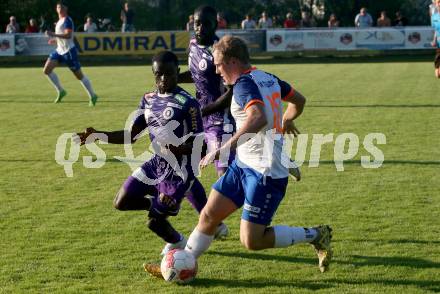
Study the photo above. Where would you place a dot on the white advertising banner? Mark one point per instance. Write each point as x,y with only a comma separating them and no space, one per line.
417,38
7,45
32,44
349,39
380,39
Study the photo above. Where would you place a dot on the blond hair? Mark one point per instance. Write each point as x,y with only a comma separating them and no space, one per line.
232,47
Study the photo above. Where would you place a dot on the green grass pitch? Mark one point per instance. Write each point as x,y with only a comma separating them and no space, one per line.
62,235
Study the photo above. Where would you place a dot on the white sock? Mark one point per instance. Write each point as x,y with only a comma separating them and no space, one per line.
87,86
198,243
53,79
286,236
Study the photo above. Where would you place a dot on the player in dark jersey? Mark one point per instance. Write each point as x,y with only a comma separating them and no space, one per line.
213,96
160,184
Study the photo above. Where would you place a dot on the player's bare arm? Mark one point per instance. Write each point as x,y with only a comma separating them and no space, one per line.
255,121
66,35
222,102
294,109
183,149
113,137
185,77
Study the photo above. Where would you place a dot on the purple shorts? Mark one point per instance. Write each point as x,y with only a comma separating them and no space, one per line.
214,137
154,177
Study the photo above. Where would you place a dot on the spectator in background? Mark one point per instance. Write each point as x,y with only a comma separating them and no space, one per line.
190,23
383,20
264,22
248,23
290,22
127,18
90,26
363,19
400,20
105,25
306,21
333,21
276,23
222,24
31,27
43,24
12,26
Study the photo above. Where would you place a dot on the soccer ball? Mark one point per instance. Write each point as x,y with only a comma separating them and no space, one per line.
178,266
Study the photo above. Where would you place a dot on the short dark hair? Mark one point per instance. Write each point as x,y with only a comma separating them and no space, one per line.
230,46
205,9
62,3
166,57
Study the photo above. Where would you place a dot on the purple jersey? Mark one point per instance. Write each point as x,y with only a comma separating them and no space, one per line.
169,119
161,109
209,85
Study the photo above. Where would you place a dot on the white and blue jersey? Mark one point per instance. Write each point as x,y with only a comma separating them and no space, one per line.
64,25
257,179
435,20
65,51
263,152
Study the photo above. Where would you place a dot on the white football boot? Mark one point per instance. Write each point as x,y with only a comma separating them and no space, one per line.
178,245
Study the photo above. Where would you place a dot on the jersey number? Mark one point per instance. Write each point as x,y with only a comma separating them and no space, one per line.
275,104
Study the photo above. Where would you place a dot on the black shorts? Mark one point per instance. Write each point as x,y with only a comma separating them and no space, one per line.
437,59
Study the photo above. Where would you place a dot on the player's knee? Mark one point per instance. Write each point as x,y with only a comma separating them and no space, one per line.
47,71
118,202
437,73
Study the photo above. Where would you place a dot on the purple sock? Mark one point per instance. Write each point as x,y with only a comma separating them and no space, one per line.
197,196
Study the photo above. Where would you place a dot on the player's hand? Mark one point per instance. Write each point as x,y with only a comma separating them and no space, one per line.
434,44
167,201
84,135
290,128
51,42
49,33
209,158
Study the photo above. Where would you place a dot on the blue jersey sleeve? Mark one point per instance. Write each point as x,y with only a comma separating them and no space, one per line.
246,92
68,24
286,89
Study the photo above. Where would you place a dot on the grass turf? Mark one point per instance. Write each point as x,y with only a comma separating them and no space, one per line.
62,234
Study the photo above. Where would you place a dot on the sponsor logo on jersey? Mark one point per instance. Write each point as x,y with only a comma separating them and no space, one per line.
193,113
251,208
266,84
203,64
180,98
174,105
168,113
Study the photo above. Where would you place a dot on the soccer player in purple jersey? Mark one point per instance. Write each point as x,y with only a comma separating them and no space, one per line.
67,53
213,96
158,186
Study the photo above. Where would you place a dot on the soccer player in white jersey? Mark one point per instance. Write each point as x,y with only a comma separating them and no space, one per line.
65,52
257,179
